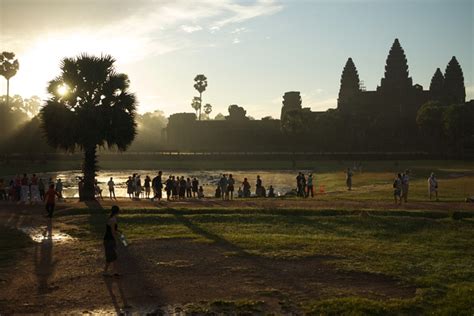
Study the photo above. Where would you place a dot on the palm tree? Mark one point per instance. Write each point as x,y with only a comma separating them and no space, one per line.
200,86
208,109
196,104
90,106
8,68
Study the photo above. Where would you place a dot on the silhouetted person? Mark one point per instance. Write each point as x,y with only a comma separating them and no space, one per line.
188,188
42,189
405,185
299,183
433,186
169,184
147,186
397,189
349,179
111,185
309,187
195,186
157,186
200,192
258,187
271,192
246,188
218,193
110,242
129,183
230,187
50,200
223,183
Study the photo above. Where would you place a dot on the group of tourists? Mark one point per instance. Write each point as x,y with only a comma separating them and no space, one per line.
175,187
401,186
25,189
304,186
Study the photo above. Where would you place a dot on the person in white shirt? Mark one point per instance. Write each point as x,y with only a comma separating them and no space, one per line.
433,186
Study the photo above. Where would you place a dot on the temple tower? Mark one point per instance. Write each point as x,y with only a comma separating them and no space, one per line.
437,86
350,86
291,101
396,81
454,89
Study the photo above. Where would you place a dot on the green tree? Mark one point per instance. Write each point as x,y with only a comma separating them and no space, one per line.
200,86
9,66
458,125
97,110
430,122
208,109
196,104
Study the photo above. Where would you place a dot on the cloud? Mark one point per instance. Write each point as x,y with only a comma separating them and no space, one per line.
470,92
236,41
191,28
238,30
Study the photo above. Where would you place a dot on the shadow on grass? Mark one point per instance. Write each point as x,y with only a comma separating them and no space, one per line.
134,282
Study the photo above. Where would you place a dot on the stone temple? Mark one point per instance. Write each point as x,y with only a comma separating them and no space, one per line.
392,108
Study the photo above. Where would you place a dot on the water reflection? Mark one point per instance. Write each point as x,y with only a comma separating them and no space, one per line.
43,234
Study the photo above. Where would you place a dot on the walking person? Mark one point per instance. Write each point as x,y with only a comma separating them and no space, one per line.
157,186
433,186
110,243
405,185
230,187
299,189
111,185
349,179
50,200
397,189
129,184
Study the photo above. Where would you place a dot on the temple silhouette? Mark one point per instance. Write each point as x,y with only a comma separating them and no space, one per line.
379,120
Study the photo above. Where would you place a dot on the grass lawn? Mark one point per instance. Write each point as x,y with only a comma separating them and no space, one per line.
435,255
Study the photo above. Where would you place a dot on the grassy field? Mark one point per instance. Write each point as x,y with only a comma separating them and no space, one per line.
432,253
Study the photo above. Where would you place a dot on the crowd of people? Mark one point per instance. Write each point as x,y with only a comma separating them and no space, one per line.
28,189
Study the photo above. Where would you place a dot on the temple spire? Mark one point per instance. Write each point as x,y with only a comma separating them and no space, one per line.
396,71
455,91
350,85
437,85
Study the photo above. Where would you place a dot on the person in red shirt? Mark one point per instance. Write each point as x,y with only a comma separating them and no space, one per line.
50,199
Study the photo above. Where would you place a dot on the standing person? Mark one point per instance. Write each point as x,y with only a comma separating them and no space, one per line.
35,195
138,187
223,187
182,188
309,187
405,185
258,187
397,189
188,188
147,187
246,188
41,189
299,189
110,242
349,179
97,189
59,189
433,186
271,192
129,184
18,188
303,186
157,185
50,198
80,186
169,187
230,187
175,188
3,193
24,189
111,185
195,185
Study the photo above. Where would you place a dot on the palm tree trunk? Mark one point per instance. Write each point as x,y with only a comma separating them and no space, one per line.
8,92
200,104
89,168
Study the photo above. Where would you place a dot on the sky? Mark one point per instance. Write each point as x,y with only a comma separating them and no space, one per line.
252,52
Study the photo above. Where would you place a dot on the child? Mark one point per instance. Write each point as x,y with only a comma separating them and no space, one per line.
50,200
200,192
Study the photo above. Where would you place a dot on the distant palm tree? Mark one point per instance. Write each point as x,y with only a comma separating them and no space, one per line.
208,109
9,66
200,86
90,106
196,104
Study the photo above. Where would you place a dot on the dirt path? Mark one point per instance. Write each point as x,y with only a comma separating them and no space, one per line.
58,276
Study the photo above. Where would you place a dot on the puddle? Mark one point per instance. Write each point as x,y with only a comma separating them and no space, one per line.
43,234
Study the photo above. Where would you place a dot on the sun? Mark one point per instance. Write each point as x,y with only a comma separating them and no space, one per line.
62,89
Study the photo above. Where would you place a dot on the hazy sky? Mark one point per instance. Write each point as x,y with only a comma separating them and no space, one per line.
251,51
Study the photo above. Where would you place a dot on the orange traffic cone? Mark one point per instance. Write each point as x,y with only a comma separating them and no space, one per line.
321,189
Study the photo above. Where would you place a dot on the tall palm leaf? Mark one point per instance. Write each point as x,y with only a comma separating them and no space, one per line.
200,86
9,66
97,110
